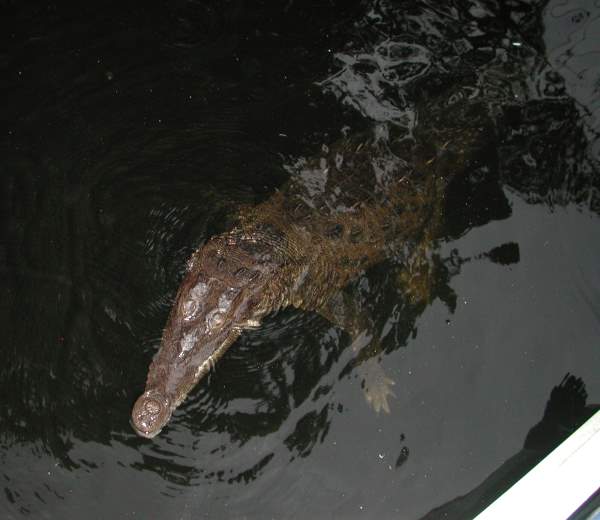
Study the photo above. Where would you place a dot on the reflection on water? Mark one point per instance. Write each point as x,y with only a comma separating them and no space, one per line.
132,137
569,36
565,411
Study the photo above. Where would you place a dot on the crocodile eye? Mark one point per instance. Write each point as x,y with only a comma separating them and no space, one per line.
215,318
190,308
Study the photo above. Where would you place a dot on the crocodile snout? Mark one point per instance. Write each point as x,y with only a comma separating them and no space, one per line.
150,413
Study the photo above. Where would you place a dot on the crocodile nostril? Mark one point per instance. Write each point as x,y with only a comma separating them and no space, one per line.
152,407
150,413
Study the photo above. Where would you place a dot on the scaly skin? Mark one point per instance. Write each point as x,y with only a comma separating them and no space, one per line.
346,211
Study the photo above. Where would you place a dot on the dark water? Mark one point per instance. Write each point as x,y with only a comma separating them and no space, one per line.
132,134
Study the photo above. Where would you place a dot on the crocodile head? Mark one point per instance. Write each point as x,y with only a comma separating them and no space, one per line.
230,285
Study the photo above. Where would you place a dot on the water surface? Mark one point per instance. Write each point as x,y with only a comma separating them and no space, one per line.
132,134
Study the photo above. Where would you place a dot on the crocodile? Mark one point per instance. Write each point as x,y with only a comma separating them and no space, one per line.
364,199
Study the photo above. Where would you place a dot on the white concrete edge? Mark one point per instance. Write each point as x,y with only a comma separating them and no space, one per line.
559,484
